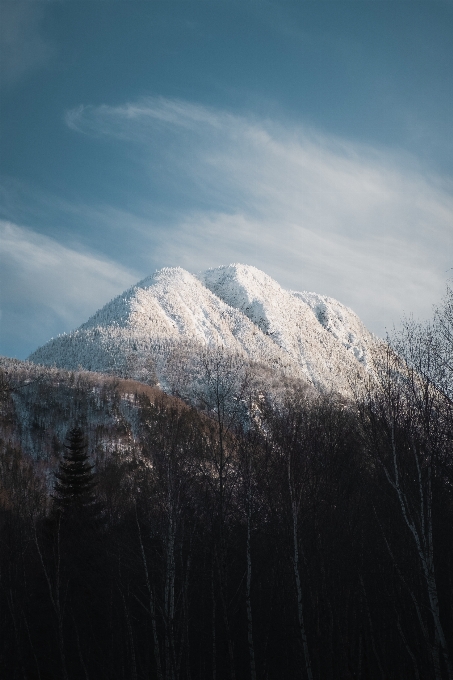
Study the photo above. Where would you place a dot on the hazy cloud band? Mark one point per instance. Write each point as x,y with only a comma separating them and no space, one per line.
363,224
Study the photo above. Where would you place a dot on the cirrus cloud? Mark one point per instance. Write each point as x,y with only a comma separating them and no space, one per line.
367,225
47,288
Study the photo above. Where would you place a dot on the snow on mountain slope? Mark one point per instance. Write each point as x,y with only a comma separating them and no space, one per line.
319,333
342,323
171,309
237,309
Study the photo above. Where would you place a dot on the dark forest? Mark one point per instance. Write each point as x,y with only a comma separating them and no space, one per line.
306,537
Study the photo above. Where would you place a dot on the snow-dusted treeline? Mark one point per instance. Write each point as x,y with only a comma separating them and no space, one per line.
39,404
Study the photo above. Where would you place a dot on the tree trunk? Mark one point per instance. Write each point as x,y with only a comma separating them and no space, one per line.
248,590
295,559
152,609
54,594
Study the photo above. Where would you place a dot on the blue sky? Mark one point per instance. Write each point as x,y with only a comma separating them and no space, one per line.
310,139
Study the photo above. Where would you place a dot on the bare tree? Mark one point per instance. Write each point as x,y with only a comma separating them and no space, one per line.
406,429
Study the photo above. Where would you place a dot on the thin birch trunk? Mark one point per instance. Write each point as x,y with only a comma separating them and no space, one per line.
131,638
185,633
248,586
214,645
32,646
170,577
54,594
411,593
222,561
303,633
424,544
10,601
408,649
152,609
226,620
79,649
169,600
370,623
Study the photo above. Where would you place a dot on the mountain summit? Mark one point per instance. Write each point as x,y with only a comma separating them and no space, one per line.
237,310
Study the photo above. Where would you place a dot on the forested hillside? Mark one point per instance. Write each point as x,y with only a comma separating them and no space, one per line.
40,404
249,535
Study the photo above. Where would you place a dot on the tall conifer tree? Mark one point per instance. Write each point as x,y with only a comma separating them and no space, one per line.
75,479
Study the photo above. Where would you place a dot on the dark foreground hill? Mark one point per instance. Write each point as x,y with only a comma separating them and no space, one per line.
298,538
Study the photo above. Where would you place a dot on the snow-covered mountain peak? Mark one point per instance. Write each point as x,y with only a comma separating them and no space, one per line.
237,309
245,288
167,303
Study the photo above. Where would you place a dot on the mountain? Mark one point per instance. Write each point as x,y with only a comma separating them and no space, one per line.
161,325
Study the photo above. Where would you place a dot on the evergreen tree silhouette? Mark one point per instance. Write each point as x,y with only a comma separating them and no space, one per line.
75,479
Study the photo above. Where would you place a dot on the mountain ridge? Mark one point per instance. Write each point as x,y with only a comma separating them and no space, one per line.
235,309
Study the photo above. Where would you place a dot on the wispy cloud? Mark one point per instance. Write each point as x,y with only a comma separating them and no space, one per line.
47,287
366,225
